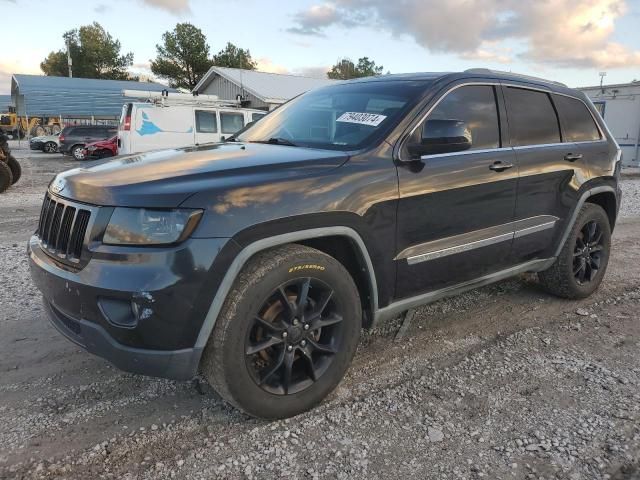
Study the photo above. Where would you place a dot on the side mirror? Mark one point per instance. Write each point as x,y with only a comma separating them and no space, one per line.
441,136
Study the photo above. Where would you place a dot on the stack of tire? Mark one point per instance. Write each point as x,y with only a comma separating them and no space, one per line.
10,170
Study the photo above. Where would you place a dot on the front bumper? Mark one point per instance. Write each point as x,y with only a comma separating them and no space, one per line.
140,309
173,364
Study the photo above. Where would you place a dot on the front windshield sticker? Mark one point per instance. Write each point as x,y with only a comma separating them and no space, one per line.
371,119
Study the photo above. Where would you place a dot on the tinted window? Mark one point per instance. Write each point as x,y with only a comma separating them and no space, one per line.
476,106
532,118
577,122
231,122
257,116
206,122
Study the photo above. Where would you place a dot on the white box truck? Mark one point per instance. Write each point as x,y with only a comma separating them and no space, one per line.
178,120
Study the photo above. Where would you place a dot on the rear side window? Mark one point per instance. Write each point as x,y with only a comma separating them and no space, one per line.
476,106
206,122
577,123
532,118
231,122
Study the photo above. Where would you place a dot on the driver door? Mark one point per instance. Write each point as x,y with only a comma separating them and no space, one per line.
456,209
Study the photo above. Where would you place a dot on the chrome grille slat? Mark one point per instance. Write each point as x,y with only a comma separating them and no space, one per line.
62,228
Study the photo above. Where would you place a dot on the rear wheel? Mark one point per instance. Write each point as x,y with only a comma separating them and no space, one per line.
77,152
16,169
50,147
583,261
6,177
286,333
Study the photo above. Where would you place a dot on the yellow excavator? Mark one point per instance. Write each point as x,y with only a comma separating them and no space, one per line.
18,127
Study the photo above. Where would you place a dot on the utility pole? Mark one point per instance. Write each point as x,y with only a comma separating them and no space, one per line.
69,61
602,75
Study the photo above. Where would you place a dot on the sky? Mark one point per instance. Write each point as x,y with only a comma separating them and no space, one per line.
571,41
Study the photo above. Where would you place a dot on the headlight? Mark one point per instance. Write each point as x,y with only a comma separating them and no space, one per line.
141,226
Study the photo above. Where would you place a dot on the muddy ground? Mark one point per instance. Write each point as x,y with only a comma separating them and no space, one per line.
502,382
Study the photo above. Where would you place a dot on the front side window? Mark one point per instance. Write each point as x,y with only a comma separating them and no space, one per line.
231,122
206,122
257,116
577,122
474,107
532,118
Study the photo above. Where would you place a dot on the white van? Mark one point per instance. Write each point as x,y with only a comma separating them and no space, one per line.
149,126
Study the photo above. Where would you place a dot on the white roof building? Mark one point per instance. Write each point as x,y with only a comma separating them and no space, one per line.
619,106
257,89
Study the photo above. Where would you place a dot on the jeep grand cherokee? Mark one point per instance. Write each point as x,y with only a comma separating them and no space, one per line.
258,261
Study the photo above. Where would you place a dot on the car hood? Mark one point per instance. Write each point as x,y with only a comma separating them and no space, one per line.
166,178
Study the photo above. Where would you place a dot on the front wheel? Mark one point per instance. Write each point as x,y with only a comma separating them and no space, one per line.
50,147
286,334
583,261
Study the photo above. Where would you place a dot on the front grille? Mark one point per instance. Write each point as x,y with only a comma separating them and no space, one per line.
62,228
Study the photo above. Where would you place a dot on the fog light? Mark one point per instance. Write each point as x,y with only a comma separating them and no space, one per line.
120,313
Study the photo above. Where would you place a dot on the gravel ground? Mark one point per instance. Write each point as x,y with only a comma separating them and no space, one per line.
501,382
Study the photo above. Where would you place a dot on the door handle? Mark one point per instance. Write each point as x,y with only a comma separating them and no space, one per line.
572,157
499,166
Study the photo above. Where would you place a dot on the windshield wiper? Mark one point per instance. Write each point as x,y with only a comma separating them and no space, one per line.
278,141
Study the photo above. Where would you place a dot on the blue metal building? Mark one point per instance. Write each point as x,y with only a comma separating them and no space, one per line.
38,95
5,101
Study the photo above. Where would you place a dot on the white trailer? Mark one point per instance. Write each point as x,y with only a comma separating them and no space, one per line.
619,106
172,120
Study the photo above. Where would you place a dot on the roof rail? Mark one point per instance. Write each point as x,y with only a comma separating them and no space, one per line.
166,98
488,71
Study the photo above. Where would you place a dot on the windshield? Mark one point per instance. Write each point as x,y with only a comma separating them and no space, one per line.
340,117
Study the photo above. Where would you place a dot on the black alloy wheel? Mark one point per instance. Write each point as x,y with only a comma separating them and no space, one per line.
587,254
293,339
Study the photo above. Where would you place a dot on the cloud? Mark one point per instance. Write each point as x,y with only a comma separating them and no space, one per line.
313,72
316,18
562,33
10,66
267,65
172,6
101,8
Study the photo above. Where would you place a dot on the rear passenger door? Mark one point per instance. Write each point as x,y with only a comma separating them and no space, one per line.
550,172
455,209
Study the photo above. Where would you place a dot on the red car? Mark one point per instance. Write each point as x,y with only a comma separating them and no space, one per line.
101,149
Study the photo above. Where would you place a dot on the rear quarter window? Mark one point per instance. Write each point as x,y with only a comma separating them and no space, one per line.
532,117
577,122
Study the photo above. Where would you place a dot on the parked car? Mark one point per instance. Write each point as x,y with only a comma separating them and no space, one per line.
101,149
73,139
144,126
257,262
47,143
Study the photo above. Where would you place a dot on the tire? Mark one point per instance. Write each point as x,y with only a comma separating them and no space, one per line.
76,152
38,131
50,147
228,366
6,177
577,259
16,169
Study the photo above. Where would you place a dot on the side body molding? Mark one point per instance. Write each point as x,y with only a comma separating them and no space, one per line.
263,244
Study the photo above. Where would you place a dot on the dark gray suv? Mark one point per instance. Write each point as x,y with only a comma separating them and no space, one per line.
258,261
73,139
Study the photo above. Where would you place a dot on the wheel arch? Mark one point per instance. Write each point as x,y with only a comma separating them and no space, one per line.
595,194
319,238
